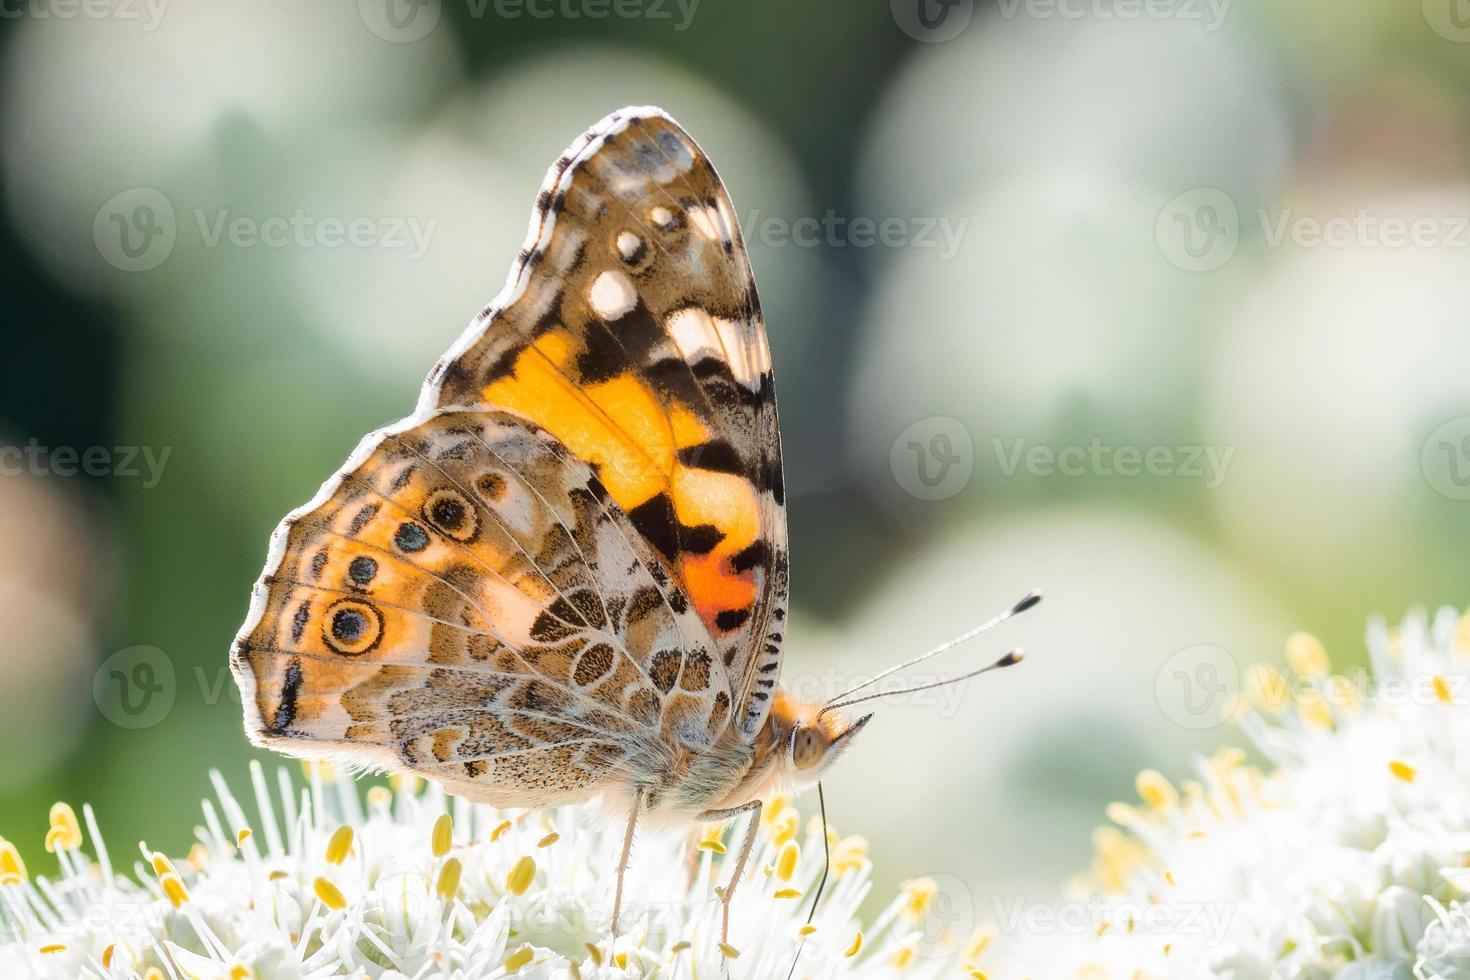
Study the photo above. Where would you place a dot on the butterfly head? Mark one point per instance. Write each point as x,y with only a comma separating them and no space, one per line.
815,739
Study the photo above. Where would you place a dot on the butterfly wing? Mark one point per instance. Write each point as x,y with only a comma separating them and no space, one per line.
466,600
630,330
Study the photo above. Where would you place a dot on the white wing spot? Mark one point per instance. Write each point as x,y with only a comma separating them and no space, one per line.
694,334
628,245
709,223
661,216
612,295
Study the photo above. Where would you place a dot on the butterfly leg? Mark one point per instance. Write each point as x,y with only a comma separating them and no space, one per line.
623,861
754,809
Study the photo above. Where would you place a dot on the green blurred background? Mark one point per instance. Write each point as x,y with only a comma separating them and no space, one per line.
1099,244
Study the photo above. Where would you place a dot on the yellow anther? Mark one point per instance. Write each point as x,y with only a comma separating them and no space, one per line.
12,868
595,953
173,889
1314,712
917,895
240,972
850,854
549,839
330,894
405,782
1267,688
978,942
1156,791
448,885
53,948
241,836
379,797
107,955
681,945
774,807
731,953
277,876
712,838
519,958
979,975
854,947
1403,770
785,826
319,767
1306,655
787,893
1169,877
65,833
786,860
500,829
154,973
443,837
162,865
521,875
903,958
1442,692
339,844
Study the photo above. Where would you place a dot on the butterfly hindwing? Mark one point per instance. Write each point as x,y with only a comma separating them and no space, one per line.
630,330
465,599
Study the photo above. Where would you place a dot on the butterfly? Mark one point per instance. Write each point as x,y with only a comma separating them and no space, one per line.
564,576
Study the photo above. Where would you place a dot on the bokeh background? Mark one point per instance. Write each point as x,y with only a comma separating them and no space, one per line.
1160,306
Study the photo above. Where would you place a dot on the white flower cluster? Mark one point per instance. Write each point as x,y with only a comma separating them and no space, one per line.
1350,861
314,884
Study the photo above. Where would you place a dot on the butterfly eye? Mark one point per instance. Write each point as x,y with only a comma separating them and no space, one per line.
808,747
352,627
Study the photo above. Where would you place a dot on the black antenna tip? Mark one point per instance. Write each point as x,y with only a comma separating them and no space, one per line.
1030,599
1014,657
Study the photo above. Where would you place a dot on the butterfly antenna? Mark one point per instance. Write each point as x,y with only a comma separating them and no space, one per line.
822,884
1026,602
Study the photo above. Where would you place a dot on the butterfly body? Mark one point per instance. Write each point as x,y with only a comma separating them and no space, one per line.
564,577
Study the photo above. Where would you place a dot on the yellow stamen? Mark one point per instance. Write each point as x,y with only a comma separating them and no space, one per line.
731,953
1156,791
173,889
339,845
854,947
917,895
107,955
443,836
979,942
850,854
319,767
785,826
154,973
330,894
595,953
242,836
1403,770
519,958
786,860
53,948
1442,691
1315,712
162,865
405,782
521,875
449,879
549,839
713,838
12,868
903,958
500,829
787,893
805,931
240,972
682,945
65,833
1306,655
379,797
